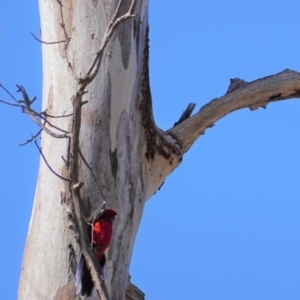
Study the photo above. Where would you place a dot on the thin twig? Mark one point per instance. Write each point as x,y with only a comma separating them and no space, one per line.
114,17
92,72
71,256
47,43
132,7
32,112
32,138
65,161
26,100
90,169
67,40
36,121
62,24
41,152
62,130
55,117
7,91
8,103
97,214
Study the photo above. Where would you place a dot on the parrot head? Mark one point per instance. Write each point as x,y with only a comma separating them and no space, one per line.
109,215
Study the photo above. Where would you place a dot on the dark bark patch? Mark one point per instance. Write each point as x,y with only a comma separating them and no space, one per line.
131,214
136,33
114,162
275,97
156,142
124,35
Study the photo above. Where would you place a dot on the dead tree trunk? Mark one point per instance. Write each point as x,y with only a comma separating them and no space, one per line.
105,145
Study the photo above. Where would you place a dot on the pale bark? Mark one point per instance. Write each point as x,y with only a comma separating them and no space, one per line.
240,94
116,153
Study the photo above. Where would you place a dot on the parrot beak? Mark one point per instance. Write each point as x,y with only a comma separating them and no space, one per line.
113,218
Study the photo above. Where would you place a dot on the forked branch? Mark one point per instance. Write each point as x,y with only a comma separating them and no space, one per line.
115,22
25,105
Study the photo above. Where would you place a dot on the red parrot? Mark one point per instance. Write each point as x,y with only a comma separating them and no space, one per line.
100,235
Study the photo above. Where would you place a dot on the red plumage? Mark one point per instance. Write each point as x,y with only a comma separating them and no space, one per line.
102,231
100,235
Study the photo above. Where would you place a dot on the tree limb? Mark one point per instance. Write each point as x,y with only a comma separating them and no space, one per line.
258,93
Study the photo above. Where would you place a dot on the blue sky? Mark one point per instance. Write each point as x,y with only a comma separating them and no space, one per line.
225,225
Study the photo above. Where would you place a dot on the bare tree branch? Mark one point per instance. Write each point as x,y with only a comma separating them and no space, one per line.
8,103
115,15
53,126
32,138
47,43
32,113
8,92
67,40
36,121
55,117
26,100
93,70
46,162
187,113
255,94
93,175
